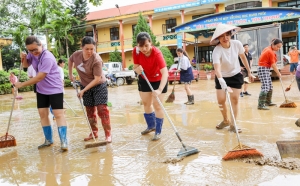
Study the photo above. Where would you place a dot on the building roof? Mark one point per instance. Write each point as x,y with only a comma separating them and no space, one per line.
135,8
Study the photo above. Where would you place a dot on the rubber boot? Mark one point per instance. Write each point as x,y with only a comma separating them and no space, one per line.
262,101
92,117
48,137
188,99
269,98
191,100
151,123
103,113
159,123
298,122
62,131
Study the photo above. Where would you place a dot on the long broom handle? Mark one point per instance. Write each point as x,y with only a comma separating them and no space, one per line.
163,108
233,118
292,81
71,108
13,103
87,120
283,90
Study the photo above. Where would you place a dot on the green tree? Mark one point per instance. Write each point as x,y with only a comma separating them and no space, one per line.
142,26
167,55
115,56
79,10
96,2
10,55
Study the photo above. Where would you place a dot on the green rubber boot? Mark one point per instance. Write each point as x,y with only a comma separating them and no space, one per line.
262,101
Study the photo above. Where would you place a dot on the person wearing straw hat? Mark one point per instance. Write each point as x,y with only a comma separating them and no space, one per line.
267,60
149,59
228,71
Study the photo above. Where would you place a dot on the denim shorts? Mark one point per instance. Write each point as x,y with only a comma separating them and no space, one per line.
293,67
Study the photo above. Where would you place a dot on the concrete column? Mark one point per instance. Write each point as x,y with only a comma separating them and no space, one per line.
182,21
217,8
150,21
122,43
266,3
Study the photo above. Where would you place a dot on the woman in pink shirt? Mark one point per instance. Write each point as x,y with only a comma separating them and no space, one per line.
13,79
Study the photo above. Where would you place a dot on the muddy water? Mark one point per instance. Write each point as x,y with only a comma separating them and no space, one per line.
133,159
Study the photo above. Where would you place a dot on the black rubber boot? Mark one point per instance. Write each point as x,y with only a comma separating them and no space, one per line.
262,101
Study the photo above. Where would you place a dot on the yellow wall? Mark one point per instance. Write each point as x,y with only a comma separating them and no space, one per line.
127,31
274,4
265,3
221,8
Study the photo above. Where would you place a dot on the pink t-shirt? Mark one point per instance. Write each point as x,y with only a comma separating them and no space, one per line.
52,83
13,79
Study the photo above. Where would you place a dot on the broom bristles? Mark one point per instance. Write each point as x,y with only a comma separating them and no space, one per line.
288,105
7,141
237,154
171,97
95,144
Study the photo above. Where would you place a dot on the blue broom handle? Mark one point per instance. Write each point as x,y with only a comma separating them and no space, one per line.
159,102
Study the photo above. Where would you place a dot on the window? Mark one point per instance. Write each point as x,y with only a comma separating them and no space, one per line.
290,4
114,33
287,43
244,5
197,16
206,53
90,33
168,27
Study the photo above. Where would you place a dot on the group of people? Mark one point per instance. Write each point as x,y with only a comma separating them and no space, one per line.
49,87
231,61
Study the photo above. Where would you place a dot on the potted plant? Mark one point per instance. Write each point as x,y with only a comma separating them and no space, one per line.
208,68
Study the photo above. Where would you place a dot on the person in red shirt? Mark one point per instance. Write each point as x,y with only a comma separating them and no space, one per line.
149,59
267,60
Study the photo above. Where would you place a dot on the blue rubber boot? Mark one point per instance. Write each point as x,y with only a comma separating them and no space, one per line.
48,137
159,123
62,131
150,120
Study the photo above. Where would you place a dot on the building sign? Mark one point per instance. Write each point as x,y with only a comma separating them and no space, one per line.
244,17
178,6
203,2
179,40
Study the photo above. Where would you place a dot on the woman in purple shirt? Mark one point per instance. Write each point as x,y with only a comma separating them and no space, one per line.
49,89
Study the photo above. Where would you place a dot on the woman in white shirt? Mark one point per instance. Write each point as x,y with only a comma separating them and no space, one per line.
186,73
228,70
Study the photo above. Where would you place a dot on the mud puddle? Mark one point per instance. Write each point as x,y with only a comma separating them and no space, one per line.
288,163
172,160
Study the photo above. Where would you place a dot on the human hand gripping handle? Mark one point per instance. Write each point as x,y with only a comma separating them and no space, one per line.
222,83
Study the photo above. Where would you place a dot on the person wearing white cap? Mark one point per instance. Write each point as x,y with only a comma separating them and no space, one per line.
228,70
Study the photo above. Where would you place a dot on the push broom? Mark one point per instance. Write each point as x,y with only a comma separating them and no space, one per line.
286,103
9,140
185,150
95,143
240,151
171,97
289,87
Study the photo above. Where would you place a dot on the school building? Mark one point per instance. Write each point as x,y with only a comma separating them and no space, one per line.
188,24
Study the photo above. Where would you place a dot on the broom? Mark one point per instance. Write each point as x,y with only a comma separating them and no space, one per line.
240,151
289,87
9,140
95,143
286,103
171,97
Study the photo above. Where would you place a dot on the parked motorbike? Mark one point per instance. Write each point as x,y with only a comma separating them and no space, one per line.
111,80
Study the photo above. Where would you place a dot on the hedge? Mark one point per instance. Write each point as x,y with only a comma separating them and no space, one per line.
5,86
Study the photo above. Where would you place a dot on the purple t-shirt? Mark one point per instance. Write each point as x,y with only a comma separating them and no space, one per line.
298,71
52,83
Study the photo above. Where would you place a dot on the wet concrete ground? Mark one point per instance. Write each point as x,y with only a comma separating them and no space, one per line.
133,159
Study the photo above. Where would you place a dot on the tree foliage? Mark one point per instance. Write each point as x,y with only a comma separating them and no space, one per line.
115,56
142,26
167,55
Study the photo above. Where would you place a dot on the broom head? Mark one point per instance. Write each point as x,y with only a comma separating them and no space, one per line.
7,141
288,88
288,104
95,144
171,97
242,151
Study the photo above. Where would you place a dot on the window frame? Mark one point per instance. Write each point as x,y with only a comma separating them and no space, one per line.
112,33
